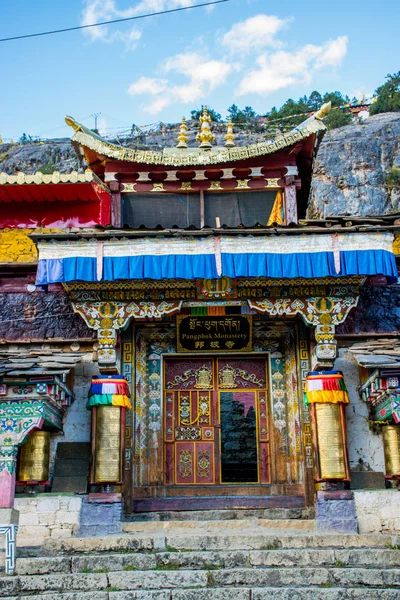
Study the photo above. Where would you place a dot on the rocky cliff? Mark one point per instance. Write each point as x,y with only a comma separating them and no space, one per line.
352,169
350,172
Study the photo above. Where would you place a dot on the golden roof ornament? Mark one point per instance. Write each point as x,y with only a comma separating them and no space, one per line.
323,111
183,137
205,137
230,136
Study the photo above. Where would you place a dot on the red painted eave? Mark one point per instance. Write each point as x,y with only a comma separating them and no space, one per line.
52,192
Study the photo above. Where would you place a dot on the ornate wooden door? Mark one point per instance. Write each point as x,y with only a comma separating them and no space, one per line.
216,421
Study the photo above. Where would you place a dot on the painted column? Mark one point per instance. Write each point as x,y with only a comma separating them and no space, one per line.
17,420
326,392
108,401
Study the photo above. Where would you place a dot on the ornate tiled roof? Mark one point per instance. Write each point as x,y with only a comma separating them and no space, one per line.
86,138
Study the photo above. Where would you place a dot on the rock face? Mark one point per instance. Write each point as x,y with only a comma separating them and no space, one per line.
49,156
350,169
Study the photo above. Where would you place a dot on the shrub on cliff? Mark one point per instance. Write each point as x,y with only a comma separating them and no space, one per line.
388,96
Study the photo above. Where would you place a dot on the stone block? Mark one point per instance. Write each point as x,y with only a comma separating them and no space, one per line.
46,505
140,595
70,518
63,583
369,523
272,577
212,594
46,518
41,566
115,562
9,516
367,480
292,558
337,525
68,596
74,504
31,518
35,532
63,533
157,580
334,593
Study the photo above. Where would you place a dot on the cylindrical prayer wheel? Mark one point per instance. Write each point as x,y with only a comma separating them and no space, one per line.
107,460
331,445
34,458
391,447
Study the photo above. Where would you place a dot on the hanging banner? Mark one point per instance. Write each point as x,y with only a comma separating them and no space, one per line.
213,334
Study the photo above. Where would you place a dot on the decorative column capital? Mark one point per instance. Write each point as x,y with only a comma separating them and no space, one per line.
109,317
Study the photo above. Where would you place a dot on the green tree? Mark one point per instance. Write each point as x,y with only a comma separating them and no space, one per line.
314,101
196,114
336,98
388,96
337,118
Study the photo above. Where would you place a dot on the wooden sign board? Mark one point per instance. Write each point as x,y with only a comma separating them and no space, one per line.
214,334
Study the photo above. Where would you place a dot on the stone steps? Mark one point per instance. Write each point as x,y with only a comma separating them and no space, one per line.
244,566
188,541
210,560
222,515
210,526
203,580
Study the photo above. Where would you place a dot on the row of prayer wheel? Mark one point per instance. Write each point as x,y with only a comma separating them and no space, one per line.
325,392
107,460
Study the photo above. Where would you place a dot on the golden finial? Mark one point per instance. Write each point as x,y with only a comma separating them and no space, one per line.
205,136
230,136
1,140
323,111
182,137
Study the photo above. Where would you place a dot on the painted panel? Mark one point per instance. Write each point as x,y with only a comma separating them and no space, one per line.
185,463
205,463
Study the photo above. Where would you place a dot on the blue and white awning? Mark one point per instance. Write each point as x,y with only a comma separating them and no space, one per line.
275,256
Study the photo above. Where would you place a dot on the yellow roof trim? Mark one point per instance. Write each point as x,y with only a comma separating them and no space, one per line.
192,157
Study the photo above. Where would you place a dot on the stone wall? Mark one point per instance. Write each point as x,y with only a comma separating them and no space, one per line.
378,511
77,420
46,516
363,445
39,316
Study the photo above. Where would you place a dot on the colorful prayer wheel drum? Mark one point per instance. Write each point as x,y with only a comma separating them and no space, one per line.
108,455
331,445
34,457
391,448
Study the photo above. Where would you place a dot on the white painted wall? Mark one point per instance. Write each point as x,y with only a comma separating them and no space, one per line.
76,422
362,443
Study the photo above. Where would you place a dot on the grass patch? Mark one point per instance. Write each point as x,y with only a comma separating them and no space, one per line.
172,566
271,546
112,588
211,567
339,563
101,571
129,568
85,571
171,549
328,584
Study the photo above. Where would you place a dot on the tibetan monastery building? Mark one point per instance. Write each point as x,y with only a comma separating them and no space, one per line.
190,360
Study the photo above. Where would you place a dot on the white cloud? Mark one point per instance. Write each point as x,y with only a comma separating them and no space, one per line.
202,75
96,11
333,53
281,69
255,32
148,85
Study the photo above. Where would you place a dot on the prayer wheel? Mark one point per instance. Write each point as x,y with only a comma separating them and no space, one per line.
331,443
108,452
34,457
391,447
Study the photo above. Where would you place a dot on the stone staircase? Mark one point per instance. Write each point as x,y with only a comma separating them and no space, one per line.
237,559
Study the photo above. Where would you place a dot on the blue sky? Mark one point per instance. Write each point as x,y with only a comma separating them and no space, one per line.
248,52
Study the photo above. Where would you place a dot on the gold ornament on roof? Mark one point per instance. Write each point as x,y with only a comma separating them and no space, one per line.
182,137
230,136
205,137
323,111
